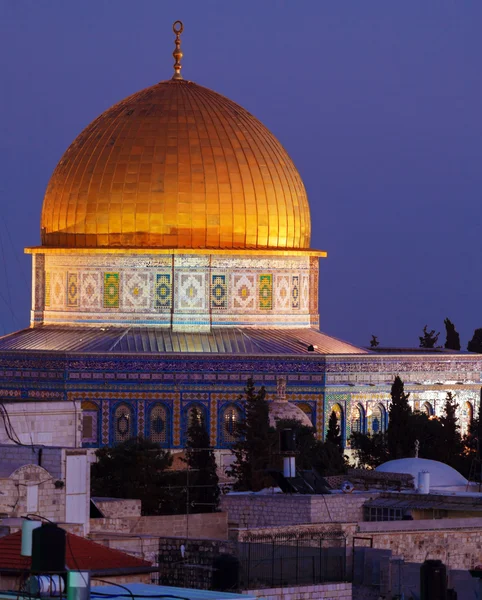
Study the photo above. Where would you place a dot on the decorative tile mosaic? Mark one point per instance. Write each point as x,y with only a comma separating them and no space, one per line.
163,291
243,291
219,292
266,292
191,290
90,290
282,292
57,289
111,290
72,290
305,291
48,288
135,291
176,420
214,423
105,422
295,292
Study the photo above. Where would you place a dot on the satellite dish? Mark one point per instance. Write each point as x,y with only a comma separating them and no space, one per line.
347,487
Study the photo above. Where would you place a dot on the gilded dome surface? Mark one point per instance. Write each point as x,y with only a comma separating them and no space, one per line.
176,166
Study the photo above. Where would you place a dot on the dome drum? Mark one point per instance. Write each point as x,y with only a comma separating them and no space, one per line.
182,291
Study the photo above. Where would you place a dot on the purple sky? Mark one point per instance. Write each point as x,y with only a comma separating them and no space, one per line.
378,103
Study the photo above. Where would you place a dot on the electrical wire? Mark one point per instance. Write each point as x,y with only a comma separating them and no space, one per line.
132,595
10,430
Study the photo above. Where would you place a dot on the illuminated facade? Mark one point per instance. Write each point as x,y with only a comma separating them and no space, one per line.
175,263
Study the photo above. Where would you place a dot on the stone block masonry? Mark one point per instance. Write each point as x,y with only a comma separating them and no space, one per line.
326,591
251,510
208,525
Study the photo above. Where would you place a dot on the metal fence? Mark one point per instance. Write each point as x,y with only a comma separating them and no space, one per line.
292,559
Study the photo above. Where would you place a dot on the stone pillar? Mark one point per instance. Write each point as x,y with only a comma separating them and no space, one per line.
38,290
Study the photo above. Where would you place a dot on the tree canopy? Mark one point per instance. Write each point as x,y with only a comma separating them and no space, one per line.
133,469
439,437
429,338
452,340
256,439
399,438
475,344
203,478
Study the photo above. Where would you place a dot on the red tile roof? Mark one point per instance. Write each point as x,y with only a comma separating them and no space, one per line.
81,553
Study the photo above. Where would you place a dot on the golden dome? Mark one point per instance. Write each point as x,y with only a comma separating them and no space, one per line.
176,166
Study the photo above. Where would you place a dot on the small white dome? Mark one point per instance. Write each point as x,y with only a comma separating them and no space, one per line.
441,475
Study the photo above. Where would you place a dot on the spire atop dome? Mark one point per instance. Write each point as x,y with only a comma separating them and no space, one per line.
178,28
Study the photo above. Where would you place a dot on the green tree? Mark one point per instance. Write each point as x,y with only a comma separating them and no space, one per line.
333,434
134,469
451,446
400,437
203,477
374,342
371,450
429,338
452,340
475,344
252,451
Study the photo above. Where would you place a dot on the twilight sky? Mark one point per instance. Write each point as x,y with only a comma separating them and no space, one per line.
378,102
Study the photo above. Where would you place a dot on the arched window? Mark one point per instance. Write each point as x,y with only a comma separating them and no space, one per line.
159,425
377,422
466,417
338,410
193,411
90,424
231,417
427,408
123,423
307,409
358,419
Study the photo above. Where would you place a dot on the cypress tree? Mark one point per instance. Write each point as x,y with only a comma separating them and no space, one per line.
452,341
475,344
333,434
203,477
400,438
256,438
451,446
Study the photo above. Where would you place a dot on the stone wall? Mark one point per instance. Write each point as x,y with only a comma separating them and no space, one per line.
456,542
259,510
205,526
328,591
46,423
13,456
30,489
192,565
116,508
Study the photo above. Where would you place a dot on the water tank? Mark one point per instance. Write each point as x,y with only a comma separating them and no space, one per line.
226,573
48,549
27,531
423,482
45,585
433,580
